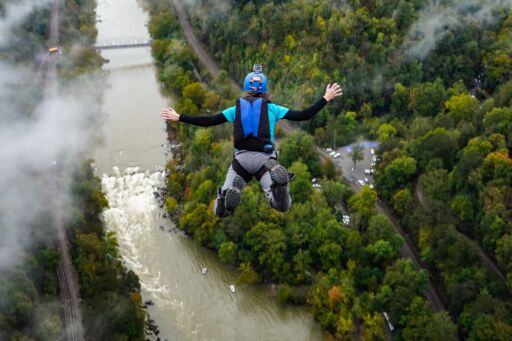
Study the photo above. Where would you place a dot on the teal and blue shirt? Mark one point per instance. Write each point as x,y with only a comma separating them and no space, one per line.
275,113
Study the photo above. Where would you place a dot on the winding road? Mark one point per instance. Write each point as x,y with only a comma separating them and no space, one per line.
407,249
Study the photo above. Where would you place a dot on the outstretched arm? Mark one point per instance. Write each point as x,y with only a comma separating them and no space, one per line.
331,92
170,114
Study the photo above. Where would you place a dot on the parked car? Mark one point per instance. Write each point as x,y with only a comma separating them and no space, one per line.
361,182
337,155
328,150
367,171
372,151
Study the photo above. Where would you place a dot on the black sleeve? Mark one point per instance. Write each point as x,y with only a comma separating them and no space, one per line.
204,121
306,114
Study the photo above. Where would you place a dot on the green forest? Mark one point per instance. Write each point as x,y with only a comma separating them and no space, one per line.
442,114
111,292
30,306
430,81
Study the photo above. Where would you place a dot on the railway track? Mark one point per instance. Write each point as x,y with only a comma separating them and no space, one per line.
68,282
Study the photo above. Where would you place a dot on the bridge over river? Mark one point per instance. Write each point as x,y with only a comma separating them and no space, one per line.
123,43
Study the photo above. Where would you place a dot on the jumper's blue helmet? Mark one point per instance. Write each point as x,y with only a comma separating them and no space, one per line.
256,81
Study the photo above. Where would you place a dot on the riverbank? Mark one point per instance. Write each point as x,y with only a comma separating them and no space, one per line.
109,292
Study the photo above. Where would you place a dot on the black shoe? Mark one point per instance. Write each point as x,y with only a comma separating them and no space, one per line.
233,193
278,173
291,176
220,205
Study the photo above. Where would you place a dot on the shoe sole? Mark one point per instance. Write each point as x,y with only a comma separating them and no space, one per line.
278,173
233,193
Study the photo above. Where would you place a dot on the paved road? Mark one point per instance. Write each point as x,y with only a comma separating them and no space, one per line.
407,250
68,282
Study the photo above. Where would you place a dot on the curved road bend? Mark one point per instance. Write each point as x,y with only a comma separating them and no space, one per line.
201,53
484,258
407,250
66,274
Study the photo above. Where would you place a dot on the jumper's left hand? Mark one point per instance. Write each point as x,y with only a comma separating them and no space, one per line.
332,91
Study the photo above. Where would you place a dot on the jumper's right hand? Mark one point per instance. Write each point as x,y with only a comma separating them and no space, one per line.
332,91
170,114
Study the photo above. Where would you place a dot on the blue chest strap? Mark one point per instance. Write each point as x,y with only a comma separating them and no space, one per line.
250,113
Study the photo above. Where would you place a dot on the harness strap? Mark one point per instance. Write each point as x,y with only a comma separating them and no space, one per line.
259,174
240,170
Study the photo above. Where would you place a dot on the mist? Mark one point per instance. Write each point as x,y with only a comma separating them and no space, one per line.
41,145
15,15
436,20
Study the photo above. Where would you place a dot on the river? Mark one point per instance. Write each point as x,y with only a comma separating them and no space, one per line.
188,305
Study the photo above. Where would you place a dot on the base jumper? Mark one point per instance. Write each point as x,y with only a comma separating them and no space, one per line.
254,118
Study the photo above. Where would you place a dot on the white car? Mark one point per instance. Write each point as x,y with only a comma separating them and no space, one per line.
361,182
337,155
367,171
372,151
332,153
328,150
391,328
